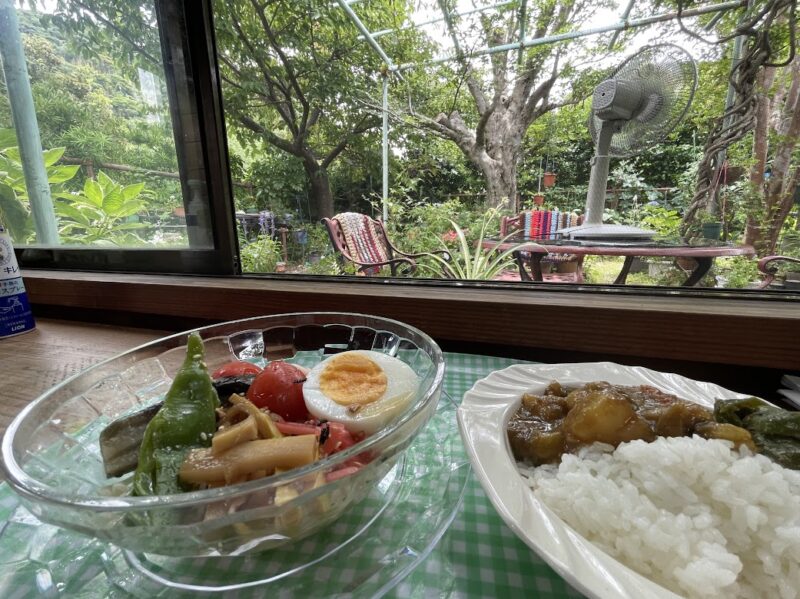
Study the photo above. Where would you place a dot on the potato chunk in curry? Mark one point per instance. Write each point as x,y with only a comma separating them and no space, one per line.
561,420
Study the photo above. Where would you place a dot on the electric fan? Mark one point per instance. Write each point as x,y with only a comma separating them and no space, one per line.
643,100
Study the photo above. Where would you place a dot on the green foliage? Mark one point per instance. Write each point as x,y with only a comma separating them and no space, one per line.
125,32
471,261
423,226
318,238
737,272
13,214
296,76
262,255
101,213
790,242
663,221
92,100
557,142
434,170
328,265
278,182
14,202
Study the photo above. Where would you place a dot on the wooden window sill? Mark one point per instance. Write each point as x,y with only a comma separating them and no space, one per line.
749,332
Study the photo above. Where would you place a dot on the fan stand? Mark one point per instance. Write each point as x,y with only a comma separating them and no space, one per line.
593,227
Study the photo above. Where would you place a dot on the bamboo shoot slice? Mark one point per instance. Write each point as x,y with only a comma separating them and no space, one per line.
229,437
202,466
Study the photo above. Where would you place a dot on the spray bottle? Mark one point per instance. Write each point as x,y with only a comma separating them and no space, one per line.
15,312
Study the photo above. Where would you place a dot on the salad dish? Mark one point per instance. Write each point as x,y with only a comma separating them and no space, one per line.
237,437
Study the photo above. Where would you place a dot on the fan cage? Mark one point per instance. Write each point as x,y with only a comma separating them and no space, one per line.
664,70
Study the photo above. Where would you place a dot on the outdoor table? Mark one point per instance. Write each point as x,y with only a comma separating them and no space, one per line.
478,556
250,223
702,255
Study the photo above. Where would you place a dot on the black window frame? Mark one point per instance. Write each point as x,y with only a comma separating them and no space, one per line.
187,26
188,46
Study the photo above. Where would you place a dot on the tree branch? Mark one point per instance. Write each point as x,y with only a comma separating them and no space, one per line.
472,83
119,31
269,136
364,125
287,65
541,94
269,80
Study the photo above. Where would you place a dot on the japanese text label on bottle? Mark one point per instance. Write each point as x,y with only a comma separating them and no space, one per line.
15,312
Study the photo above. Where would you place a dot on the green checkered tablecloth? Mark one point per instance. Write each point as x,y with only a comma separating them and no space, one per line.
478,556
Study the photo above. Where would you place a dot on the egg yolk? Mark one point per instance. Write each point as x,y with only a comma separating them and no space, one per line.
352,379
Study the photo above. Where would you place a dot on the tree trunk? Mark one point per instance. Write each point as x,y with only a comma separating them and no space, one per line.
320,192
753,227
501,180
779,119
506,97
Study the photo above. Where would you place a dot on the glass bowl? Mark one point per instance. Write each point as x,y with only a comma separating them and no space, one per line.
51,454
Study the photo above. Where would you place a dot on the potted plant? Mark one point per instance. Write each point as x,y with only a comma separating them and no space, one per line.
549,179
318,242
712,230
538,199
710,226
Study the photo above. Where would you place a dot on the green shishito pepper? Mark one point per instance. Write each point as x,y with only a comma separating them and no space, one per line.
185,421
776,432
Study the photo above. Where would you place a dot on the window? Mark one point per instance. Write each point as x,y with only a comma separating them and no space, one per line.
113,86
479,129
454,128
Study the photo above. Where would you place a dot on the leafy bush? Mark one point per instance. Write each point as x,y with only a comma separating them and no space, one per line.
790,242
262,255
737,272
424,226
469,260
100,213
318,238
663,221
328,265
14,203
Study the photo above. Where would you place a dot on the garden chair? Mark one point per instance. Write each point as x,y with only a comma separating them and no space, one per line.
362,240
770,270
543,225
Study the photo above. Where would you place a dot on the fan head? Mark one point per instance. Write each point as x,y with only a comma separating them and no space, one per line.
647,95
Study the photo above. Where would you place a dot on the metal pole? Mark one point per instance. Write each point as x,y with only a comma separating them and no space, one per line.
365,32
449,21
23,114
562,37
382,32
385,152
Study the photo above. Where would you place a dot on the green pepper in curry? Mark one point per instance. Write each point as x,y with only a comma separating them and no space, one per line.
185,421
776,432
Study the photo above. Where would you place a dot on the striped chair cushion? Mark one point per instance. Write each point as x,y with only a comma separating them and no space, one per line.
363,237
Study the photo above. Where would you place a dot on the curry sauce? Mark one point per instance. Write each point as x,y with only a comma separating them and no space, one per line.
562,419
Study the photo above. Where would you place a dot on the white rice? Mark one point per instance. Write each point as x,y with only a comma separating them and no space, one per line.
691,514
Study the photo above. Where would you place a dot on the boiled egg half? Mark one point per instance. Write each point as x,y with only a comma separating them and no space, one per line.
364,390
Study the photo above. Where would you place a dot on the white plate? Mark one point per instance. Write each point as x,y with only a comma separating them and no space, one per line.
482,419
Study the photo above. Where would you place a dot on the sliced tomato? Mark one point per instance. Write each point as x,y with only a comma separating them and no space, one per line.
338,438
237,368
297,428
279,388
